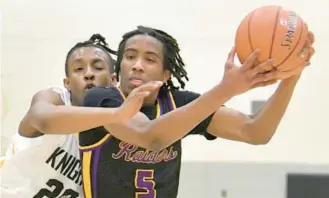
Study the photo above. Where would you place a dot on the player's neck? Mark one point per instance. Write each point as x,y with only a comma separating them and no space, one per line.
151,100
75,102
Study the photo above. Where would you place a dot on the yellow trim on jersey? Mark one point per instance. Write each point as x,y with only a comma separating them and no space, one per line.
86,163
172,100
106,137
121,93
158,109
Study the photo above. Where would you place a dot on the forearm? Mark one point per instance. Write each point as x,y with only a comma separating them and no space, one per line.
174,125
68,119
170,127
266,121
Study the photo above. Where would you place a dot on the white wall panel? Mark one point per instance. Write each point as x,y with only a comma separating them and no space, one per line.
36,36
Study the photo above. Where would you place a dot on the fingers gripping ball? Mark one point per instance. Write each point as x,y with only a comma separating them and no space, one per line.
278,33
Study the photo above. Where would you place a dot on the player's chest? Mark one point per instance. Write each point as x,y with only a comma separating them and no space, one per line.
123,152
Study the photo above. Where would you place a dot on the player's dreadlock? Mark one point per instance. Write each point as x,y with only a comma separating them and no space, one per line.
95,40
172,59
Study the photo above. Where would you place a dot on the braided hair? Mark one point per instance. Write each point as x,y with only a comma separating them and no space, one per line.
98,41
172,59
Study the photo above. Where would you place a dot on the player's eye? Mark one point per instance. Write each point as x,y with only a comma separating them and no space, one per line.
130,56
152,60
99,66
78,69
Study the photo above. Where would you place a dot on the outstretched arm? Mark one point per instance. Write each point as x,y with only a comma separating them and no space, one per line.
256,129
167,129
49,115
259,129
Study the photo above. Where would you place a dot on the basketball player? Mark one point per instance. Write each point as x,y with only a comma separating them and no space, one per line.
43,159
145,163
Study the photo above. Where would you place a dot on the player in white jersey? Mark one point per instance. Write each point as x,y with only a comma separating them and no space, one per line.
43,158
36,166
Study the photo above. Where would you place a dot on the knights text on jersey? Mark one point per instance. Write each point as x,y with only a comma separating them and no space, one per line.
114,168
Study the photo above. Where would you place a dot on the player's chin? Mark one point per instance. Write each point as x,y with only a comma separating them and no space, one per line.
134,85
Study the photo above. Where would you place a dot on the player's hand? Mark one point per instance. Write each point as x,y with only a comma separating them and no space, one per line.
295,73
240,79
135,100
309,46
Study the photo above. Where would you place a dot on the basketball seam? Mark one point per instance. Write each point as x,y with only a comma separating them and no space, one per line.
249,34
293,50
273,32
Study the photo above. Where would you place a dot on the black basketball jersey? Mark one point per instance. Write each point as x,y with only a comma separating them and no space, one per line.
116,169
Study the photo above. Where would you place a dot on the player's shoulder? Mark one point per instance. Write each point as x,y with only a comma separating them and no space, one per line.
54,95
63,93
183,97
53,90
57,89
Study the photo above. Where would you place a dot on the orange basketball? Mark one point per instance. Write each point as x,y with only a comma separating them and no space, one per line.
278,33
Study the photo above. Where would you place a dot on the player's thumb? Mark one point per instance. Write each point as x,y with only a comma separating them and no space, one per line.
230,59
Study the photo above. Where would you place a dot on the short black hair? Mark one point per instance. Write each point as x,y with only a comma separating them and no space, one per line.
98,41
172,59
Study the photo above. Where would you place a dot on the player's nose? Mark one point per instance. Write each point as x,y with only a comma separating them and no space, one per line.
138,66
89,74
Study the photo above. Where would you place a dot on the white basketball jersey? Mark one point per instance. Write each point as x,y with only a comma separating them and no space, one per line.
44,167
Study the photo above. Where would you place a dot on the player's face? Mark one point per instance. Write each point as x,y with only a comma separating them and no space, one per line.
87,67
142,62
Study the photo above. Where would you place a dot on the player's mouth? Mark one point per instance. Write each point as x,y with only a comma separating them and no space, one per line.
136,81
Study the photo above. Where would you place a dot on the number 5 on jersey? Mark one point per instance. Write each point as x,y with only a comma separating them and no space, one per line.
144,180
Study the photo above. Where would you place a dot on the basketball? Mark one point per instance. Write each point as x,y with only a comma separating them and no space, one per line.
278,33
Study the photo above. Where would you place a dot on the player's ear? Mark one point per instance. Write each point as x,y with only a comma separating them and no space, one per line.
166,75
67,84
114,79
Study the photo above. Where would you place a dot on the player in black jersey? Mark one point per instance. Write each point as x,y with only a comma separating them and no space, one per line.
143,158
